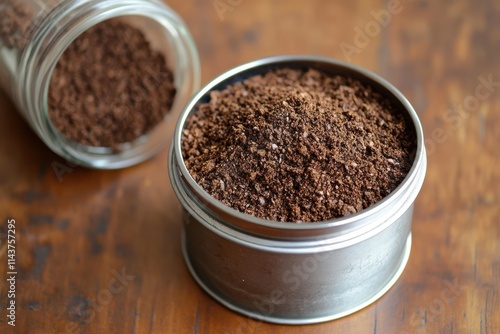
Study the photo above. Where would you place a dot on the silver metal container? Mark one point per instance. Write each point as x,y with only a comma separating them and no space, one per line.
296,273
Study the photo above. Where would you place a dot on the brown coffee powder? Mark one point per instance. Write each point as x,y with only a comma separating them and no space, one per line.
16,20
298,146
109,87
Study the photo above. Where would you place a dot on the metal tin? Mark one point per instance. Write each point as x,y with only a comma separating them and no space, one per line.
296,273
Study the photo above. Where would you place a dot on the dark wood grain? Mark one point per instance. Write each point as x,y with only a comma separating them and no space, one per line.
78,233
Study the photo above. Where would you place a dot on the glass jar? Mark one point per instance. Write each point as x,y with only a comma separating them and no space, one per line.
29,55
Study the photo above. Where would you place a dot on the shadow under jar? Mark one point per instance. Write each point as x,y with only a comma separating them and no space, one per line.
250,264
38,34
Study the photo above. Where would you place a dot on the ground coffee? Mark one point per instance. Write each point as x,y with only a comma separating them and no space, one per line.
109,87
16,21
298,146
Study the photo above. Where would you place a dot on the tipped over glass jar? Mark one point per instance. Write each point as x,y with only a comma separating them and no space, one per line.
87,75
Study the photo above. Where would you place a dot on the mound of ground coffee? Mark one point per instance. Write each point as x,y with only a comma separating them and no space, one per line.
109,87
298,146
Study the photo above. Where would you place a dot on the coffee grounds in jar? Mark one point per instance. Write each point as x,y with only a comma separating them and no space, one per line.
16,21
109,87
298,146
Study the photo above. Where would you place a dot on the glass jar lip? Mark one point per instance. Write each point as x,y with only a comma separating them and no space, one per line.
49,43
407,189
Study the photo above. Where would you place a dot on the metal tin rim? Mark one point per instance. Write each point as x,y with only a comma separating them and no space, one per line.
409,181
327,242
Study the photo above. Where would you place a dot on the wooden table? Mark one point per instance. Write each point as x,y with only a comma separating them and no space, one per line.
76,234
